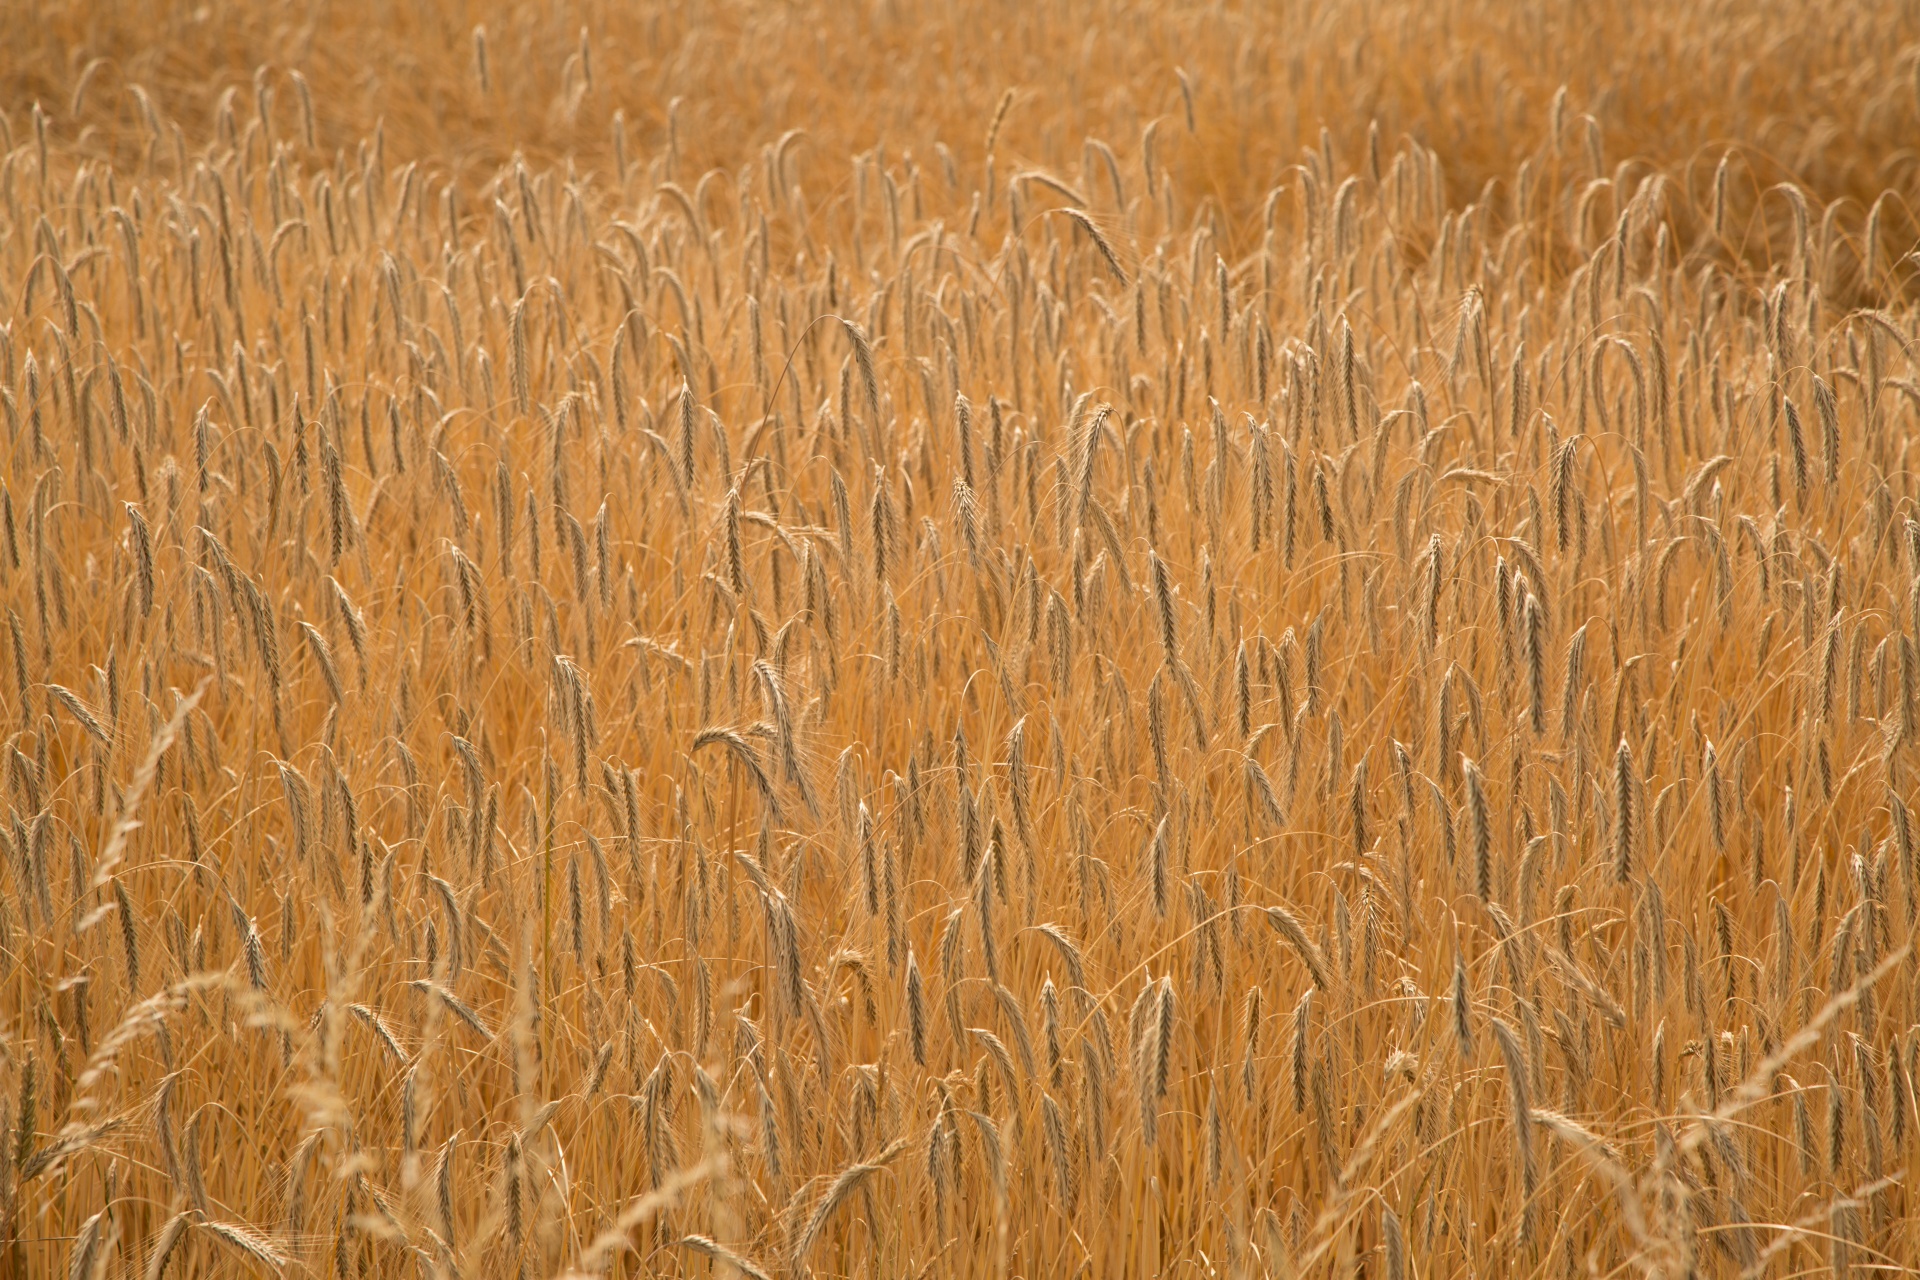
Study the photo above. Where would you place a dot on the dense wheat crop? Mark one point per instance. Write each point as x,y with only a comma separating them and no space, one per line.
1061,639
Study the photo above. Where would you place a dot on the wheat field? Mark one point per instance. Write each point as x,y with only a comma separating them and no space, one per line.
891,640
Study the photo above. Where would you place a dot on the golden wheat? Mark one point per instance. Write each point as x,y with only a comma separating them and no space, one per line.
611,626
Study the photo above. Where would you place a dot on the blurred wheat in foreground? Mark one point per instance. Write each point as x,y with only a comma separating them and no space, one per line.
721,642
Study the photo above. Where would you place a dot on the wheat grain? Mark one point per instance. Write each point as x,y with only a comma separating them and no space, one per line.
254,359
720,1253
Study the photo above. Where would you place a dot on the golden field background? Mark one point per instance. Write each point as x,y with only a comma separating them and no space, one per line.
904,640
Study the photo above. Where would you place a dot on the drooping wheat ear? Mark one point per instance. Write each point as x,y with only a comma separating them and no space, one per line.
516,1227
141,535
1163,600
916,1010
323,658
1570,691
1157,730
863,356
87,717
1158,872
1350,395
1658,1066
721,1254
1462,1009
166,1242
1261,798
1018,786
1137,1017
443,1185
1085,428
1481,826
1622,813
1099,239
1251,1017
1093,1069
129,934
983,911
190,1165
849,1180
939,1170
1357,804
1396,1245
1797,441
1430,614
1050,1028
736,566
1242,691
255,954
1836,1124
1003,1064
247,1241
519,374
1066,1185
1288,926
1716,801
1215,1150
1516,1065
687,415
1300,1055
882,522
1534,621
1152,1024
743,751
